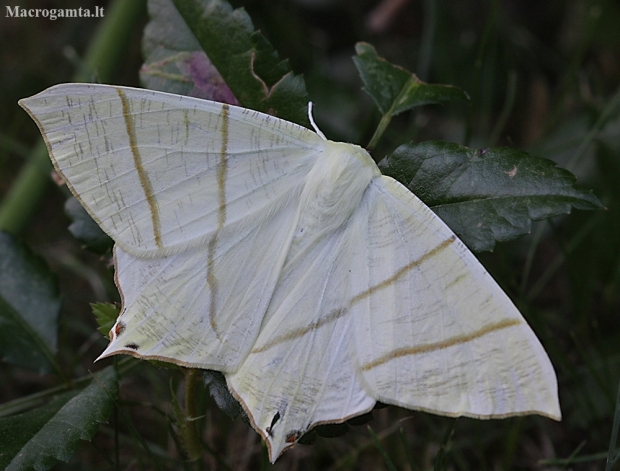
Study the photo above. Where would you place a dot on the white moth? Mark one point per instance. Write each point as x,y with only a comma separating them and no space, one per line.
253,246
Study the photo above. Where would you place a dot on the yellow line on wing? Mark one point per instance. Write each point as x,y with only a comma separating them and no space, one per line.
223,169
186,123
450,342
300,332
222,172
145,183
407,268
338,313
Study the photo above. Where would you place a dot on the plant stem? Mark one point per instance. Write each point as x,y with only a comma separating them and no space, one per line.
426,43
613,455
383,124
191,437
602,120
511,94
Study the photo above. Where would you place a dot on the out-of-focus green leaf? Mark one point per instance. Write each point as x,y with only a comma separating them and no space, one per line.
247,61
85,229
29,307
106,314
39,438
486,195
175,62
395,89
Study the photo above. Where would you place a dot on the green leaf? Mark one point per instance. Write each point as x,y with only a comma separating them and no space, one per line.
175,62
487,195
395,89
249,64
29,307
106,314
85,229
41,437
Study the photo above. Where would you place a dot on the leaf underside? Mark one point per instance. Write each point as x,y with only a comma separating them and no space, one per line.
246,60
175,62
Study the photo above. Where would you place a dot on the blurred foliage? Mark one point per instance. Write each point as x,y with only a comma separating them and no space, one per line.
542,77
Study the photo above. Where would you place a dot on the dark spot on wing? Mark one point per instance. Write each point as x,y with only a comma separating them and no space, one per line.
293,436
118,329
273,423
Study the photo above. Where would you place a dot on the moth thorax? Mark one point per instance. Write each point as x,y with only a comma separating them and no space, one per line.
334,188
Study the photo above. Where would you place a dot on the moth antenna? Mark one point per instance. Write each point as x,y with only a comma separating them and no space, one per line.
316,128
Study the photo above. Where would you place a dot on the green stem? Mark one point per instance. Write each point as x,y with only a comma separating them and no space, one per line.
489,29
598,126
557,262
27,191
407,448
103,55
191,437
426,43
613,455
571,73
529,259
110,41
386,459
511,93
383,124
